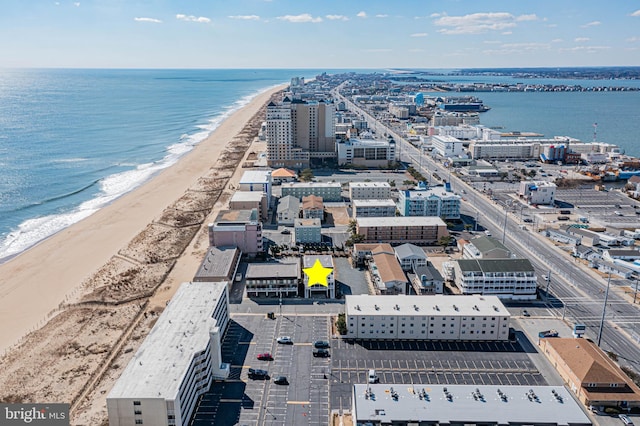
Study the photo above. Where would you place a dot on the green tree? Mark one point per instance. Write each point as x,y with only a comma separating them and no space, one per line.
341,324
392,183
306,175
353,225
444,241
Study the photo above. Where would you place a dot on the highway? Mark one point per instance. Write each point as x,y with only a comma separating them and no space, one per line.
574,294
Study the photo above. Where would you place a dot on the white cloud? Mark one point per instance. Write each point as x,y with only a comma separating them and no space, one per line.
581,39
506,32
245,17
636,13
591,24
419,35
524,18
362,14
633,39
435,15
477,23
382,15
492,42
416,50
376,50
337,18
517,48
191,18
57,3
557,40
588,49
154,20
76,4
302,18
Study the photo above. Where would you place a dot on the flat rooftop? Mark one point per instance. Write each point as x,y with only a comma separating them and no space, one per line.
181,332
400,221
311,185
218,263
452,305
253,196
237,216
284,269
308,260
374,202
488,406
256,176
369,185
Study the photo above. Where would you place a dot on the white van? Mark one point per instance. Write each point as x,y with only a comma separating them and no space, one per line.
373,378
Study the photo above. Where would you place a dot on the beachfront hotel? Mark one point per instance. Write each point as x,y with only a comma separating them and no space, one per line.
177,362
298,131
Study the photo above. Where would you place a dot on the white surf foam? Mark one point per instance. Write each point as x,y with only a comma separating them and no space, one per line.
32,231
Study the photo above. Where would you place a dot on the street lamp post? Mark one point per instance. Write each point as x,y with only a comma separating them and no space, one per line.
604,309
504,230
635,293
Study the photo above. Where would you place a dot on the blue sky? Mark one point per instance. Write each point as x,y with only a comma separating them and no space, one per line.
318,33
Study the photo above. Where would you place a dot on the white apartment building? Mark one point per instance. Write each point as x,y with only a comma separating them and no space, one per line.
257,181
435,201
373,208
507,278
368,190
538,192
447,146
504,151
318,290
437,317
465,132
366,152
177,362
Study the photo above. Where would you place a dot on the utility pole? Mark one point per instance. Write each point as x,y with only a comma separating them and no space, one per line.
546,291
604,310
635,293
504,230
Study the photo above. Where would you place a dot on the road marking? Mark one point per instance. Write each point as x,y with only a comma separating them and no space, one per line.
246,343
231,400
299,402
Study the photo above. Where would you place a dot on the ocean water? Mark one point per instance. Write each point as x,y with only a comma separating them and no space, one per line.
72,141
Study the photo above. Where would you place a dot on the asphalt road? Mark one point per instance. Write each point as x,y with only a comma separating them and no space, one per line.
576,294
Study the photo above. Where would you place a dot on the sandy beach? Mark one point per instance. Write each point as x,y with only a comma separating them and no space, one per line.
78,305
36,282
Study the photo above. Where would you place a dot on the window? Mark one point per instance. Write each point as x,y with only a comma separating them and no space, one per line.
137,412
430,331
138,421
136,402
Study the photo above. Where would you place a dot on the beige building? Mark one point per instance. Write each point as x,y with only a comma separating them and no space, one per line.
385,271
298,131
247,200
417,229
312,207
369,190
594,377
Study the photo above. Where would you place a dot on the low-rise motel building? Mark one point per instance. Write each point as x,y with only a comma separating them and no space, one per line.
595,379
435,404
177,362
417,229
437,317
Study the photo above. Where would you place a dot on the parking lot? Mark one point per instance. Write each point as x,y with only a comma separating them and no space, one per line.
318,385
410,362
241,400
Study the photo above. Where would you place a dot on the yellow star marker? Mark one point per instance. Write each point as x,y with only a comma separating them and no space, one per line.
318,274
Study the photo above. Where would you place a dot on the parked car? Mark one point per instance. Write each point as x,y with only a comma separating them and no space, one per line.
285,231
625,419
257,374
285,340
528,220
265,357
321,353
281,380
321,344
526,313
